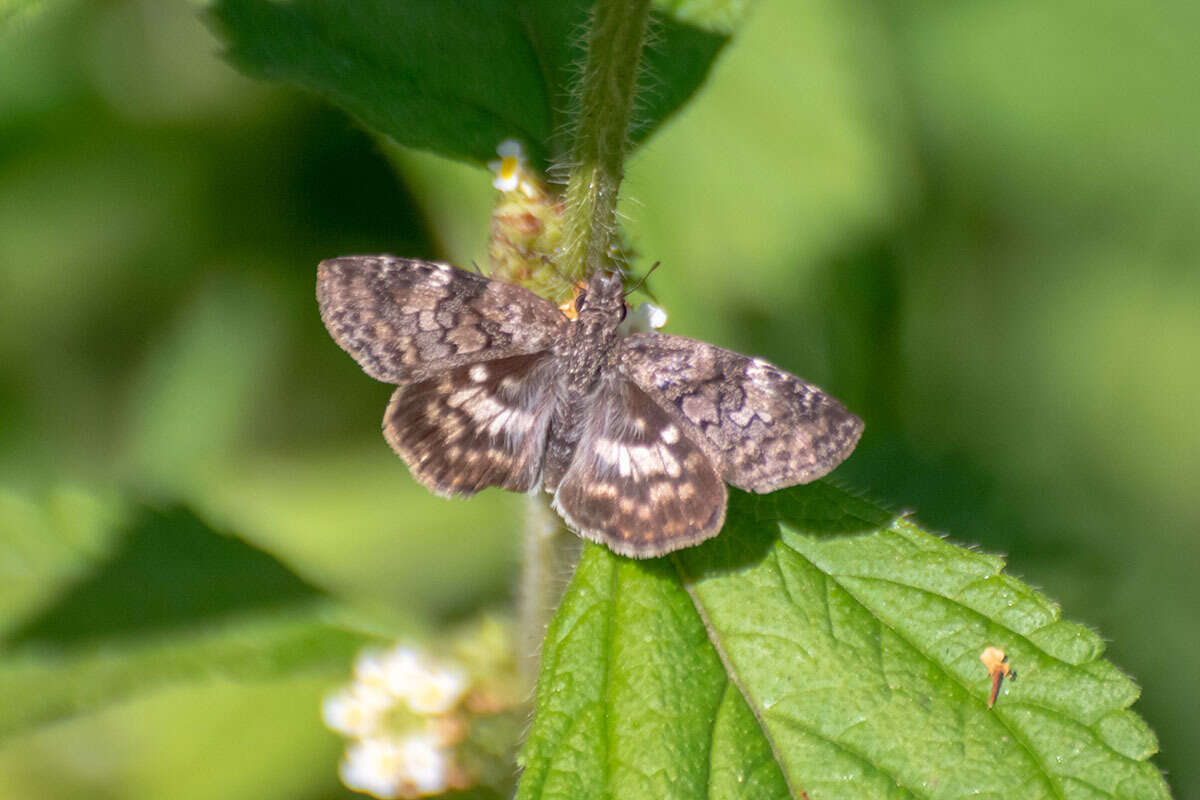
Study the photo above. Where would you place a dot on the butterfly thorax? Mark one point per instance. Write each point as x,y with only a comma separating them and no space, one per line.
593,334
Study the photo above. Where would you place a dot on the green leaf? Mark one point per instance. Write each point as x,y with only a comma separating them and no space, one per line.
38,688
854,638
456,76
170,571
11,10
173,600
632,699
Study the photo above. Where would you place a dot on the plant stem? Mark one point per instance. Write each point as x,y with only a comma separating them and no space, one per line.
549,552
603,109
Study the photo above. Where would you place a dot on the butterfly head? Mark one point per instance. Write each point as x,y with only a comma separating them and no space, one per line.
602,303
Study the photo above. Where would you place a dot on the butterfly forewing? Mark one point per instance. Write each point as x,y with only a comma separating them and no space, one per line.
474,426
406,319
764,428
637,482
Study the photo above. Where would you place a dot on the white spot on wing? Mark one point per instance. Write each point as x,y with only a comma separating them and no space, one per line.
624,466
460,397
645,459
661,493
608,450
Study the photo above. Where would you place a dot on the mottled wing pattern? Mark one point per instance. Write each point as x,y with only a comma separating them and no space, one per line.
475,426
406,319
637,482
764,428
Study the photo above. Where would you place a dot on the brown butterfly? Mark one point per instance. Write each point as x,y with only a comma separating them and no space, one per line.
635,435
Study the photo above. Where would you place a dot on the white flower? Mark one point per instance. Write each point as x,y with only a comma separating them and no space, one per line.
405,674
396,713
643,318
399,667
436,691
511,148
427,687
508,168
425,763
508,174
369,766
412,766
370,669
356,710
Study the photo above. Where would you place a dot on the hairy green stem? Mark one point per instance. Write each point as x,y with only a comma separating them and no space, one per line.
603,109
550,550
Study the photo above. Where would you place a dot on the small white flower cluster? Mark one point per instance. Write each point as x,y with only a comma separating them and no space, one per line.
397,712
510,170
642,318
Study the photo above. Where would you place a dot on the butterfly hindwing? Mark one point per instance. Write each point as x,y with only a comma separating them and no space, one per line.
637,482
764,428
474,426
406,319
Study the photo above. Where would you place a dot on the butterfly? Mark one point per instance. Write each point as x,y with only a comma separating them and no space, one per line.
635,436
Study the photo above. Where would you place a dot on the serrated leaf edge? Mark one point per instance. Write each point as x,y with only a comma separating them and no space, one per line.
1051,780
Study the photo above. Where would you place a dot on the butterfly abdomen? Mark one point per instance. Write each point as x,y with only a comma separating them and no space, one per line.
566,428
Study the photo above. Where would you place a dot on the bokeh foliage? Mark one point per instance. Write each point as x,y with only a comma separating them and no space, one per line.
970,222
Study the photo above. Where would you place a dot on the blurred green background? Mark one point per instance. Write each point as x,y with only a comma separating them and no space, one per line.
973,222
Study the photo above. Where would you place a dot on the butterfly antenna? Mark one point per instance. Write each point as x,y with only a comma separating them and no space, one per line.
642,282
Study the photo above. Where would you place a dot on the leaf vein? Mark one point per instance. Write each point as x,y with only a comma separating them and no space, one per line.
1024,637
1053,784
842,747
